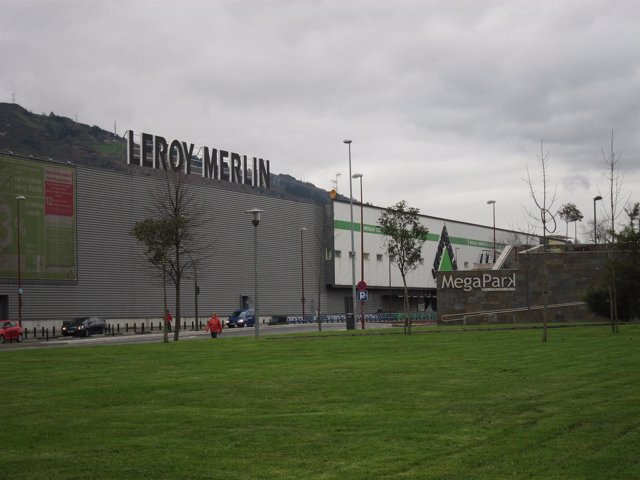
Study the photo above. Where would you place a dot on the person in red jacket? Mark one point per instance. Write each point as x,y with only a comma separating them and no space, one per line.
168,318
214,325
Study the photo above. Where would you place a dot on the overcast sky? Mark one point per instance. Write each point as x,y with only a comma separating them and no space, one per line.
446,102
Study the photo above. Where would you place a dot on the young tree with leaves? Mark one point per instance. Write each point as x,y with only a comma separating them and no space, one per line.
157,236
405,236
569,213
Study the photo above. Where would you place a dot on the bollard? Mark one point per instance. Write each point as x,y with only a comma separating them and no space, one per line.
142,329
151,326
134,328
126,328
43,331
34,332
118,329
47,334
54,332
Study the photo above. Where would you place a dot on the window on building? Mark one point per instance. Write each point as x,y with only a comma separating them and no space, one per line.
379,257
338,253
327,254
366,256
421,261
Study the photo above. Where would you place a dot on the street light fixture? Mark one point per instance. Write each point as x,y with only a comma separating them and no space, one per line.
493,204
19,198
303,229
351,323
359,175
595,223
255,220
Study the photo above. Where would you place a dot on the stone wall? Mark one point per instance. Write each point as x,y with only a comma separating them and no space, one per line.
569,275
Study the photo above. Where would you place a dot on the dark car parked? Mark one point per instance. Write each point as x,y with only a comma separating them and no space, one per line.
242,318
84,326
10,331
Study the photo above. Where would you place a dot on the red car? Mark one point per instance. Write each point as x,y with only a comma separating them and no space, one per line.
10,331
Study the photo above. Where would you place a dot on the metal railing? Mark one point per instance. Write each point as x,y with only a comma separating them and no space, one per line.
454,317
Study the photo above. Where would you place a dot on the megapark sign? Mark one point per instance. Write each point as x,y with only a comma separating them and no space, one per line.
156,152
486,282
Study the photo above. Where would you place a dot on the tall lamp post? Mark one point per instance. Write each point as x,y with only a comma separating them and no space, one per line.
303,229
595,223
351,324
255,219
493,204
359,175
19,198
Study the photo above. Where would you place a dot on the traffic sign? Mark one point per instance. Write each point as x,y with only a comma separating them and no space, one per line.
363,295
362,285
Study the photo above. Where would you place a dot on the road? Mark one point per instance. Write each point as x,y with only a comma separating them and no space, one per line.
185,335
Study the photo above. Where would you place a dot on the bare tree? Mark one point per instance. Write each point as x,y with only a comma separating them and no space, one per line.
543,204
405,236
176,207
615,181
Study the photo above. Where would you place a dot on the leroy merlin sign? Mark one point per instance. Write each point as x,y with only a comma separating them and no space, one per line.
487,282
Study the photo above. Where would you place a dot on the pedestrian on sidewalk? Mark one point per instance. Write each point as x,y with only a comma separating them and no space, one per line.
168,319
214,325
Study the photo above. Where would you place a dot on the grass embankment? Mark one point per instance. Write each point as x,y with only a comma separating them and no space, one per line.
449,406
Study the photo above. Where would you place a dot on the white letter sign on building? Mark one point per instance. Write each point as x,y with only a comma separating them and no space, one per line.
155,152
487,282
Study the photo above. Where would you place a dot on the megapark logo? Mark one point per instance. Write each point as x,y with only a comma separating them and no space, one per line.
487,282
445,260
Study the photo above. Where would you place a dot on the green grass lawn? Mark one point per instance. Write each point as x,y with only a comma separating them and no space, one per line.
466,405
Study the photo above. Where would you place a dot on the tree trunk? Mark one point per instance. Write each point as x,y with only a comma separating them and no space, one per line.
165,330
407,320
545,294
176,334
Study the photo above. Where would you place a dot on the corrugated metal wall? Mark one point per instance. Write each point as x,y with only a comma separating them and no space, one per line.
115,281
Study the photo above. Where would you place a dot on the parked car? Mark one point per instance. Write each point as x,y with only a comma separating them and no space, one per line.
84,326
243,317
10,330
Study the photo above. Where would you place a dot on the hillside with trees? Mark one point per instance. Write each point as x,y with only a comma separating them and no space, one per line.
62,139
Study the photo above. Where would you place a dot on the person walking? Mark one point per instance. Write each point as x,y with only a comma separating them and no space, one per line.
214,325
168,319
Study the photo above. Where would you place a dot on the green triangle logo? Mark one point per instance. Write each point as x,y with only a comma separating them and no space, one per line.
446,265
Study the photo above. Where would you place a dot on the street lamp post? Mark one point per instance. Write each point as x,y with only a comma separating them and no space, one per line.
351,324
303,229
359,175
493,204
255,220
595,223
19,198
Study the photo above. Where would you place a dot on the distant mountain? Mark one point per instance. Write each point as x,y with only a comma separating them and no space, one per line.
64,140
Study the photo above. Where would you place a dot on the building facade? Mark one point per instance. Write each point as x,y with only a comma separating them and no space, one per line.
72,253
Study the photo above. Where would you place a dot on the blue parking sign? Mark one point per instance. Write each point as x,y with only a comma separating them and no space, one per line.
363,295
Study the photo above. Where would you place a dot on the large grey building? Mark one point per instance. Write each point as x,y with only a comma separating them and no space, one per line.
72,253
